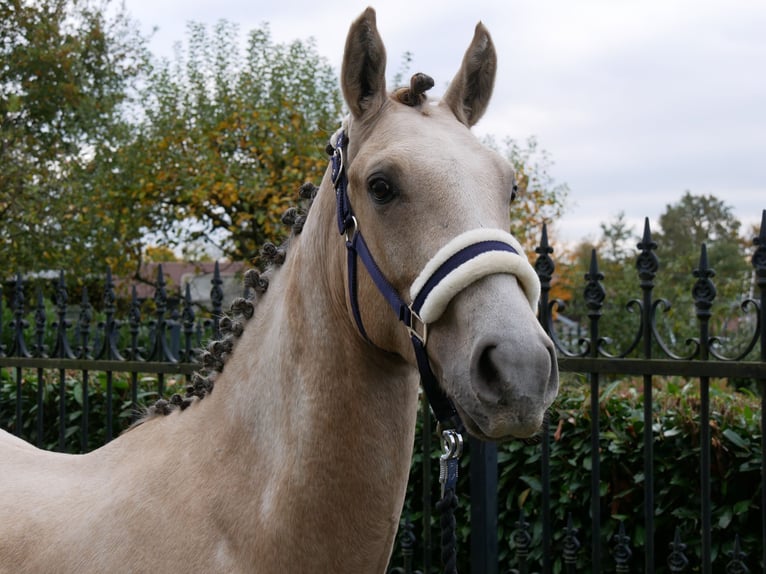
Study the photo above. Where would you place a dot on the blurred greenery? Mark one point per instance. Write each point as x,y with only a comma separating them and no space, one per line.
736,439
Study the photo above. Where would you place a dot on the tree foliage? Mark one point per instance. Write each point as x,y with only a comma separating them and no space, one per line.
65,77
229,137
107,152
683,227
540,199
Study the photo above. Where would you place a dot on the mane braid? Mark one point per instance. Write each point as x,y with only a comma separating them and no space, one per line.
213,358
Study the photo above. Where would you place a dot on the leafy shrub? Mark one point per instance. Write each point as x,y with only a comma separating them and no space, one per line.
735,462
735,475
44,387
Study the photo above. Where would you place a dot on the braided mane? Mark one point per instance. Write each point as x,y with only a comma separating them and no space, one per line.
231,326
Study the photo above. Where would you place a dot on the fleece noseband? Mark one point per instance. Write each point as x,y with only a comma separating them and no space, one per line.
462,261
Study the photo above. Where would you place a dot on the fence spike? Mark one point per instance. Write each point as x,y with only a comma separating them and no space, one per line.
571,545
62,348
677,560
39,349
704,290
647,262
737,563
622,552
83,325
19,347
188,317
216,298
134,324
522,539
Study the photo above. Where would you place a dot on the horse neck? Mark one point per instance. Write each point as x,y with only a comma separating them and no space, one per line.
323,410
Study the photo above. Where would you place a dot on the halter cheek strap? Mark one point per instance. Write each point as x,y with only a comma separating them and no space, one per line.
462,261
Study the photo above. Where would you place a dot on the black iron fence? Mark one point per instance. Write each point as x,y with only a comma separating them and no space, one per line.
126,354
158,341
650,357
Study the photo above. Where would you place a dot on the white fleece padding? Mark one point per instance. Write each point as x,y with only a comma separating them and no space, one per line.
487,263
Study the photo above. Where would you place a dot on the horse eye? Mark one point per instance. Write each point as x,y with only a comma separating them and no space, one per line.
380,190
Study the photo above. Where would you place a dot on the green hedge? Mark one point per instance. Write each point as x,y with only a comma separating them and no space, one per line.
122,407
735,475
735,471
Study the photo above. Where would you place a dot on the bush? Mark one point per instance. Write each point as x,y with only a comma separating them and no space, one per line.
735,475
735,463
49,383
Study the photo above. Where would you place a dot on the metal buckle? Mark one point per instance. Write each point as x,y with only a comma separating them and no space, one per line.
452,448
415,323
339,165
352,227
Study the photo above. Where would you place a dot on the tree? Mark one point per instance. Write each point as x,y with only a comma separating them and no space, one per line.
616,239
229,137
698,219
683,227
65,78
539,198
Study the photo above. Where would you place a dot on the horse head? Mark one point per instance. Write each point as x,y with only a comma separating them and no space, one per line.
423,190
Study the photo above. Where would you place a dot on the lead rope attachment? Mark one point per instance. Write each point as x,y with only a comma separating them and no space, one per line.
452,448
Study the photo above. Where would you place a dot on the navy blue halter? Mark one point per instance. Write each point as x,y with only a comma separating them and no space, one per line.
356,247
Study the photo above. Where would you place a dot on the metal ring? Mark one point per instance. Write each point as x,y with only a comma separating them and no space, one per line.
452,444
354,226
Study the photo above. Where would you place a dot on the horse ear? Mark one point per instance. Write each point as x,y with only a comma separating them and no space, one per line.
363,75
469,93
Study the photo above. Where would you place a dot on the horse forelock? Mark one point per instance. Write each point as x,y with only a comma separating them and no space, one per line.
414,94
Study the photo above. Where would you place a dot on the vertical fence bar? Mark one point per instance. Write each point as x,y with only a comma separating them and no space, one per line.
483,479
83,352
2,345
19,346
161,352
427,482
703,293
109,350
62,349
594,299
134,326
17,428
38,350
545,472
759,266
39,418
216,299
647,265
522,540
187,319
571,546
544,267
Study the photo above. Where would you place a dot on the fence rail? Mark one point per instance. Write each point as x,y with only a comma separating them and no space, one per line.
163,344
704,361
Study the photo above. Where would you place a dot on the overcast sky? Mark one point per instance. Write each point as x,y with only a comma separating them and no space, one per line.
636,101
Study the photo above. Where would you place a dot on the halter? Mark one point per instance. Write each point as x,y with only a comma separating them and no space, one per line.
462,261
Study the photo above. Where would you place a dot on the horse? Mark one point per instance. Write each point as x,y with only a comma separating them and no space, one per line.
291,450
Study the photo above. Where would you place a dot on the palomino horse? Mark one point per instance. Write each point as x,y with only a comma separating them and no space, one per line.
298,462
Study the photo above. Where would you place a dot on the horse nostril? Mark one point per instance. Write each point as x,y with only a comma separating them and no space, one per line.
487,367
487,382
